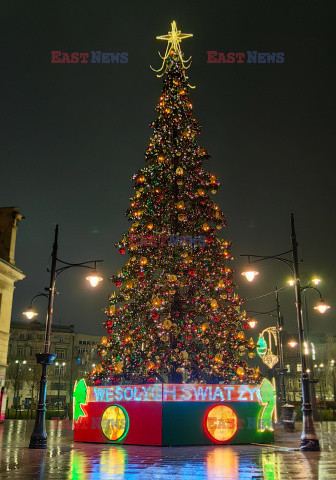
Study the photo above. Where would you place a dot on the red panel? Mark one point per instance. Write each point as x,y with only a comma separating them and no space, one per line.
145,423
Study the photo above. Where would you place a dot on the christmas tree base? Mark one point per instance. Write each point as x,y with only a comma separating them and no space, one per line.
174,414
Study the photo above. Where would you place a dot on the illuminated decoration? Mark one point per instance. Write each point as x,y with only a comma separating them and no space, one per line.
174,38
252,323
181,299
268,396
221,423
291,282
292,343
148,414
261,346
266,346
115,423
316,281
79,398
250,275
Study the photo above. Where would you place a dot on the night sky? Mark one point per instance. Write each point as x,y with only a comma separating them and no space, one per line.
74,134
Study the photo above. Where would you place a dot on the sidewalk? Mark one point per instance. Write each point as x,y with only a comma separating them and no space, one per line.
66,460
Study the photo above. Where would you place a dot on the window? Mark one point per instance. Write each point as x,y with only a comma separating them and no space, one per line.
290,383
60,353
22,336
20,351
80,342
30,336
299,367
288,368
32,351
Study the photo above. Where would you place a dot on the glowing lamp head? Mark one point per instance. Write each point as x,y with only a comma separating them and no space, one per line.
94,278
316,281
292,343
291,282
30,313
322,307
250,275
252,323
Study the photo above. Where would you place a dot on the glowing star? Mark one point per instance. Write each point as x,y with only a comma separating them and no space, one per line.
174,38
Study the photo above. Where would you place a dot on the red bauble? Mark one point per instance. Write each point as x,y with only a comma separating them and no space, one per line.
192,272
117,283
246,326
155,315
209,239
122,251
141,274
216,319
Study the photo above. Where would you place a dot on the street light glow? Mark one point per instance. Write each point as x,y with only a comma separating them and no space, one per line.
30,313
291,282
252,323
94,278
316,281
250,275
292,343
322,307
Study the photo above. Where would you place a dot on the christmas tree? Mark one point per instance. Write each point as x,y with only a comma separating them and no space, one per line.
175,316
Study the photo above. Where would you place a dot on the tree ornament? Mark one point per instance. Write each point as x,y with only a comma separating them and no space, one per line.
143,261
214,304
155,315
206,227
167,324
150,226
192,272
180,204
205,326
156,302
240,371
179,171
182,217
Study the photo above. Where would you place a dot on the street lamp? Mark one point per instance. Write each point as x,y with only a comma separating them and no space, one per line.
309,439
252,323
275,313
292,343
30,313
250,274
38,438
60,370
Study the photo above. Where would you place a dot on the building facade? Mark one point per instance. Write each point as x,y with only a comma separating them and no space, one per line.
9,274
76,355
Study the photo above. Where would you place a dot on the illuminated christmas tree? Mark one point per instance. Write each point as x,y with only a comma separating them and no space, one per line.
175,315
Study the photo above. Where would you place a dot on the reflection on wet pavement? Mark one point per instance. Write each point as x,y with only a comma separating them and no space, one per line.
65,460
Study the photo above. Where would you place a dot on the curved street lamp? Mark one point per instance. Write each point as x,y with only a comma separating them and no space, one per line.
309,439
38,438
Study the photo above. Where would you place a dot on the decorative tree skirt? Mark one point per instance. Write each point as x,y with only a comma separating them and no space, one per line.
174,414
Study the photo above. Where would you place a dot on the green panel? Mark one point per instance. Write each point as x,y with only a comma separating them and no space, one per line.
182,423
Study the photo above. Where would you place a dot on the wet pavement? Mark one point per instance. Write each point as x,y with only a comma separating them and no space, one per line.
66,460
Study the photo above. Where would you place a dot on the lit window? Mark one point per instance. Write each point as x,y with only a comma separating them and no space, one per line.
288,368
299,367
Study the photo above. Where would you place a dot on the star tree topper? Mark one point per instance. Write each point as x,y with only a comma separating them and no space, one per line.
174,38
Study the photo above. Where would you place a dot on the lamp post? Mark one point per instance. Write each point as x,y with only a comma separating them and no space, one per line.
17,383
60,369
281,370
309,439
38,438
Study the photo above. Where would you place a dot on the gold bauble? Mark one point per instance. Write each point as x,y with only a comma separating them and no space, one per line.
214,304
251,354
205,326
221,284
167,324
241,336
156,301
201,192
240,371
143,260
150,226
179,171
206,227
181,217
184,355
180,204
218,357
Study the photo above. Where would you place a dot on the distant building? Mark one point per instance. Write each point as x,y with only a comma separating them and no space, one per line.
321,360
9,274
76,354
